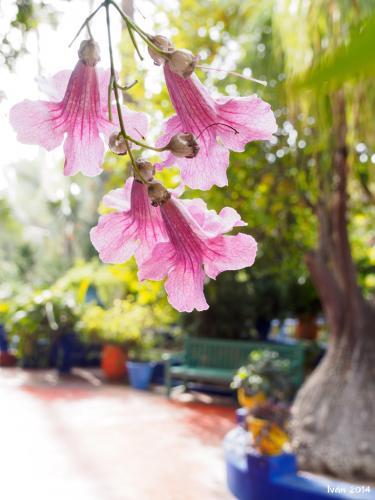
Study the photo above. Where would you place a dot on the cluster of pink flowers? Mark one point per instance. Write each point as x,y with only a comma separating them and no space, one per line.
179,240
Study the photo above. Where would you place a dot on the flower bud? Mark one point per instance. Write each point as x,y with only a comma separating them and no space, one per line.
182,62
89,52
183,145
117,144
147,170
164,44
158,194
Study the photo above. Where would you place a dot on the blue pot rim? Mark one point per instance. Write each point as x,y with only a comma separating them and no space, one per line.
140,363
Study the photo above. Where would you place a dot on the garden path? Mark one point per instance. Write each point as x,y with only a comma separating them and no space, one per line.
77,438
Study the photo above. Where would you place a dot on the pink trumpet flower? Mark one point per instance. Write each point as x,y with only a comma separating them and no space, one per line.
220,125
79,109
134,229
196,248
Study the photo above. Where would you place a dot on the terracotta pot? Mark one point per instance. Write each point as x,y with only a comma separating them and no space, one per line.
7,359
307,329
113,362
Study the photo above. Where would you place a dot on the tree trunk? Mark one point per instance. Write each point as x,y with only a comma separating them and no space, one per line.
333,414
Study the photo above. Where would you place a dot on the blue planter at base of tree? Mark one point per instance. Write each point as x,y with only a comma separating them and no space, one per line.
140,374
251,476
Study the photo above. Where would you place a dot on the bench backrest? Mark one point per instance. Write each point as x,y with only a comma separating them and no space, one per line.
231,354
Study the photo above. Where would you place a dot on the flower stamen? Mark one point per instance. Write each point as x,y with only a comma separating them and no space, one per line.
234,73
218,123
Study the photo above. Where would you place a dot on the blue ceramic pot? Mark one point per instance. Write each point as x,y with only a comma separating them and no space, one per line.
140,374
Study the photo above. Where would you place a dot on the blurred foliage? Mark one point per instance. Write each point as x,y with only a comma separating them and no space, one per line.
40,241
354,60
21,18
38,317
123,323
125,308
121,310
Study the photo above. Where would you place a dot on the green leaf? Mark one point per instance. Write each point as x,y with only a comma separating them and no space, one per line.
353,61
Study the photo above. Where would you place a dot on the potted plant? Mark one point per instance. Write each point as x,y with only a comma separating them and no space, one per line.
264,389
263,378
142,361
305,305
120,329
259,446
6,358
41,326
112,327
258,458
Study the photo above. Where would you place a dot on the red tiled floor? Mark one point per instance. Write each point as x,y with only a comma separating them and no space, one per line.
82,440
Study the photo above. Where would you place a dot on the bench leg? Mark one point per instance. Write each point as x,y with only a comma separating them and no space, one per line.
184,386
168,380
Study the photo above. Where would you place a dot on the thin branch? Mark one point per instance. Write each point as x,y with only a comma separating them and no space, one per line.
86,23
117,97
131,34
146,37
126,87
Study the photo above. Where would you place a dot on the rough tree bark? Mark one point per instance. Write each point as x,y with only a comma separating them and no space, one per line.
333,417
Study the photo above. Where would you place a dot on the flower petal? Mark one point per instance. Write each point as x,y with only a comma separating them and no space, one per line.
136,124
251,118
184,287
228,253
120,199
230,219
212,223
104,76
55,86
208,168
184,284
32,120
114,238
84,151
171,127
156,266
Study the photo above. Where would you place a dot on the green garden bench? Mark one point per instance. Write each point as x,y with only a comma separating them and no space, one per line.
215,361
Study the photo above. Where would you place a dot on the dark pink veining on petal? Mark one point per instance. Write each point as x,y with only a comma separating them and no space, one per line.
78,110
188,246
196,247
191,100
222,124
80,106
133,231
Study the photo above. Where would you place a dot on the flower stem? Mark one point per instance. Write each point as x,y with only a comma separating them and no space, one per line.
117,97
143,145
131,25
131,34
86,23
110,88
127,87
129,20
